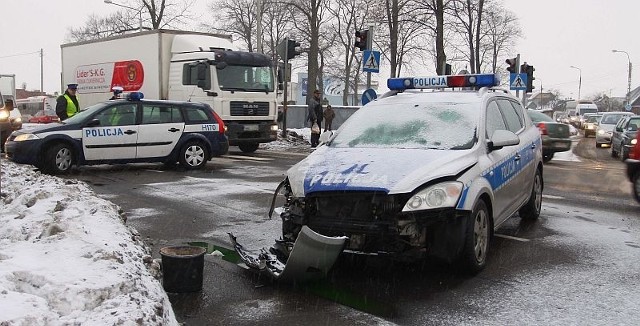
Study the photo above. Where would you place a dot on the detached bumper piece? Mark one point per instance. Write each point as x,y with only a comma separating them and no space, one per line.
311,256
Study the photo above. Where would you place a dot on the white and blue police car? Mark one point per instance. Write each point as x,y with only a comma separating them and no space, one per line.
124,131
430,169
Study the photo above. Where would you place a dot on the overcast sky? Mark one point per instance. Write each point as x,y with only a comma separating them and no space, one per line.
557,34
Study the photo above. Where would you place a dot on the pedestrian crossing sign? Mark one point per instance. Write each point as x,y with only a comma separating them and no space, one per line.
518,82
371,61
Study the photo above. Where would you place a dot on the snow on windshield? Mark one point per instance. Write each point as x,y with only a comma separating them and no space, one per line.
441,125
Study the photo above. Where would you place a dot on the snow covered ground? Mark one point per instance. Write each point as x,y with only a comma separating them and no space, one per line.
66,257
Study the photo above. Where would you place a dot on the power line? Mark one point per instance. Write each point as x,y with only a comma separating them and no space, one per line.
19,54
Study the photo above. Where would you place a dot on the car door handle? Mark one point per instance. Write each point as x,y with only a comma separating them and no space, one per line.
130,132
174,129
517,158
533,146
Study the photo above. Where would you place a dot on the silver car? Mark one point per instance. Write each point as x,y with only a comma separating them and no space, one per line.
605,127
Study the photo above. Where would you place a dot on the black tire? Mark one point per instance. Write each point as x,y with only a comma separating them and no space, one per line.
635,181
531,210
193,155
248,147
614,153
623,154
473,257
547,157
58,159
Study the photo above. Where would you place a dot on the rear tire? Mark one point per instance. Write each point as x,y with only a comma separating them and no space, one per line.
193,155
473,257
248,147
58,159
531,210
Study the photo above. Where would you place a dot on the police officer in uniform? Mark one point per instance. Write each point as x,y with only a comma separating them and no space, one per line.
67,104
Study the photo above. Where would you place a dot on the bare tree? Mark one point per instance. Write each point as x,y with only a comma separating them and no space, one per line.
468,21
235,17
347,17
502,30
308,18
154,13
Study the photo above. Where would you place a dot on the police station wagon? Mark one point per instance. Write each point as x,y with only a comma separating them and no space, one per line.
124,131
430,169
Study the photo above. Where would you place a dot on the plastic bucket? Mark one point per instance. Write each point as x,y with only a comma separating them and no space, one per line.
182,268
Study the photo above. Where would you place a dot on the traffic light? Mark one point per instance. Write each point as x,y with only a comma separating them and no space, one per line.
361,39
529,70
512,65
291,49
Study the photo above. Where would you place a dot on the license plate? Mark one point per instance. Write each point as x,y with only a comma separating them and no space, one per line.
251,127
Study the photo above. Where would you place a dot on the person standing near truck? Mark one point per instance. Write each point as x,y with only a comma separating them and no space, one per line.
67,104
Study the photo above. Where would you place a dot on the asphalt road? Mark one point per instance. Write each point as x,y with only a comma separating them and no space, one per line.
578,264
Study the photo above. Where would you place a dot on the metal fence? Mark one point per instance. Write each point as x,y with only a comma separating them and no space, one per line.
297,115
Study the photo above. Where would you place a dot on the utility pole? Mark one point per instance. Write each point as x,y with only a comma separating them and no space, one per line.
41,71
369,47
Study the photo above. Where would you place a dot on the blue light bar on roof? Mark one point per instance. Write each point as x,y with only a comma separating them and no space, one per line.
476,80
135,96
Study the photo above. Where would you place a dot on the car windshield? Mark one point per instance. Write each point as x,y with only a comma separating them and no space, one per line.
538,116
593,118
423,126
634,124
246,78
82,115
611,119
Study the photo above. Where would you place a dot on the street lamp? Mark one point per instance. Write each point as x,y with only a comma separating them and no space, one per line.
579,80
629,80
124,6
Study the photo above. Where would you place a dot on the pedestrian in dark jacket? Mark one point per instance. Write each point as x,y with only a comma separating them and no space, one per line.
329,114
315,116
67,104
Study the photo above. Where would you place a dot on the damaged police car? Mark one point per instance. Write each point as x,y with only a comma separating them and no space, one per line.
124,131
430,169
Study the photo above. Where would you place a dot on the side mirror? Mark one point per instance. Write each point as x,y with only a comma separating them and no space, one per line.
93,123
502,138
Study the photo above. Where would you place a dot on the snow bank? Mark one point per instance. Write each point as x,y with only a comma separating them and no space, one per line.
66,257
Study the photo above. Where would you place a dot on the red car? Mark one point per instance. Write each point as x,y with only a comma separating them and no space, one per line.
633,167
44,116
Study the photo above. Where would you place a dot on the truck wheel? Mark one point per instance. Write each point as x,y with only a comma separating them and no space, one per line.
473,257
193,155
58,159
248,147
531,210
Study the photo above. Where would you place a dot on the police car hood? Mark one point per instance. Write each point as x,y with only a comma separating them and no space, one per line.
374,169
39,128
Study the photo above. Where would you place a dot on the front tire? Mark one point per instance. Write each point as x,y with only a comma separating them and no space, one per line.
193,155
531,210
473,257
58,159
248,147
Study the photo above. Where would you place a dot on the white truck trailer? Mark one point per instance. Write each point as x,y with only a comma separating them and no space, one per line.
181,66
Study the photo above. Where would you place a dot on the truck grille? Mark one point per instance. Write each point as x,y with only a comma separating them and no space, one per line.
243,108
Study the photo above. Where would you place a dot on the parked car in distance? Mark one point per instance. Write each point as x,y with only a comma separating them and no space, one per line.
591,124
605,126
633,167
623,137
45,116
555,135
9,122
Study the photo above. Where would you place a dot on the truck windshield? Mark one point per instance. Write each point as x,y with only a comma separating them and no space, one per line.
246,78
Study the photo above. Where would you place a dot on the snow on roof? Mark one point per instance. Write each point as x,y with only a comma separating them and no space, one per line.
66,257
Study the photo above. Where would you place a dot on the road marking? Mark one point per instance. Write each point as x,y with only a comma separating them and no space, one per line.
552,197
511,238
